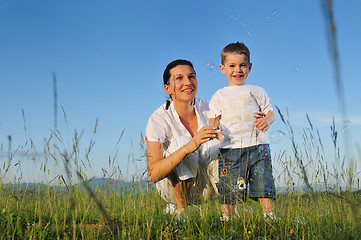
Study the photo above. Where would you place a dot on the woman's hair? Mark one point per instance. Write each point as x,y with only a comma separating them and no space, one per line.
171,65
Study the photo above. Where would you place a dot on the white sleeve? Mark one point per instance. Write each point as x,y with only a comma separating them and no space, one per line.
214,107
263,100
157,128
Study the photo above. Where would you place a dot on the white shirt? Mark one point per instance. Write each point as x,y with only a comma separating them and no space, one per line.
238,106
165,126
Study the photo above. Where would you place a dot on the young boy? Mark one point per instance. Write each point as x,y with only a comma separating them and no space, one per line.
243,113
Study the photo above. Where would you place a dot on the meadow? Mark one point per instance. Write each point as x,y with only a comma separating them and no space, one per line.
317,201
137,213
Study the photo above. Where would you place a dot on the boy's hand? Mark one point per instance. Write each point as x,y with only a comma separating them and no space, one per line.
261,124
215,124
259,115
263,121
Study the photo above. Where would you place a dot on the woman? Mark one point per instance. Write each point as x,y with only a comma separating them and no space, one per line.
178,138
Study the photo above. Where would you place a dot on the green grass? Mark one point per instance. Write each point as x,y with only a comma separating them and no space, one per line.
48,214
78,212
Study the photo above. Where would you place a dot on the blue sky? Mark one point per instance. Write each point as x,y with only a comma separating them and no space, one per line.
109,57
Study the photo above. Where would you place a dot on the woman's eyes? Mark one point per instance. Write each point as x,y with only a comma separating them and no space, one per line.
182,77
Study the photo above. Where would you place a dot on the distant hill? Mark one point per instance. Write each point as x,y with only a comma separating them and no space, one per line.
116,185
108,184
94,184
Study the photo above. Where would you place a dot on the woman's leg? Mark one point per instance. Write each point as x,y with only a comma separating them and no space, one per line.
181,190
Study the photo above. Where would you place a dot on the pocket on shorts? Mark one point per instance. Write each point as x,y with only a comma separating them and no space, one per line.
224,165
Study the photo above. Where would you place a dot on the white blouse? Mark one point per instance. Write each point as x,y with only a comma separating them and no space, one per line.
164,126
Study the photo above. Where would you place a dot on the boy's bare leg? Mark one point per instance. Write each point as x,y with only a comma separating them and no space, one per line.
227,210
267,204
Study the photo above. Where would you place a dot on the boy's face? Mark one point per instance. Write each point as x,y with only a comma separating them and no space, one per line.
236,67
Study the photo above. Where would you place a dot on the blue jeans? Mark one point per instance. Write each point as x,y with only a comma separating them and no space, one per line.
241,168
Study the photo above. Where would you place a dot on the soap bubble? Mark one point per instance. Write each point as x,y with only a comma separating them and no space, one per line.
211,67
215,237
263,149
248,209
297,68
258,171
274,15
30,224
346,126
243,24
268,19
233,18
300,221
249,34
275,137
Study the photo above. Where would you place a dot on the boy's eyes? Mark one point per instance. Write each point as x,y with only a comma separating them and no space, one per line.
242,65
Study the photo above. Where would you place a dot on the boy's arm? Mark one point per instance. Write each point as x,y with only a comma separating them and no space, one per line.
264,121
215,123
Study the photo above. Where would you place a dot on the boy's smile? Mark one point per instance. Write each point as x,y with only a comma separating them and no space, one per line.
236,67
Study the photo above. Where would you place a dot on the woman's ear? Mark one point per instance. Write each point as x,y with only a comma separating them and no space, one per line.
167,89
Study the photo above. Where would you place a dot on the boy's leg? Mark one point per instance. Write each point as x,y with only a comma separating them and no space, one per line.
262,185
232,180
227,210
267,204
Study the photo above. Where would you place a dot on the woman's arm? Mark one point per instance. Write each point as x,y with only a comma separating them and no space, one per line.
159,167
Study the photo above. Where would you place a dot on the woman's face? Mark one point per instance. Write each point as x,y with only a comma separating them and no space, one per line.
183,85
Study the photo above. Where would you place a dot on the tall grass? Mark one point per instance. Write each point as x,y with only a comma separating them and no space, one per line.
119,210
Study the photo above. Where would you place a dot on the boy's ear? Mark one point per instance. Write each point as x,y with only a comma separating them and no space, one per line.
249,67
222,68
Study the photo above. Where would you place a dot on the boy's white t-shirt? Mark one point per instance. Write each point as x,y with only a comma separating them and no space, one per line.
238,105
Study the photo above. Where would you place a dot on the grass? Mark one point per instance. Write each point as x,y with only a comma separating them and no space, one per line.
326,209
135,211
138,214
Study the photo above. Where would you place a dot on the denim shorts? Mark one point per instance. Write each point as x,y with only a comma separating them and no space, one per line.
245,170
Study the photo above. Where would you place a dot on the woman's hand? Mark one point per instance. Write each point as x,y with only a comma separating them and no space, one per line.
160,167
203,135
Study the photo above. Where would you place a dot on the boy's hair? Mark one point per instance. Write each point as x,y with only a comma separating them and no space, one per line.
171,65
236,48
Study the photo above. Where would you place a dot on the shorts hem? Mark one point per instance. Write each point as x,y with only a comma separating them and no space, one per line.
262,195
